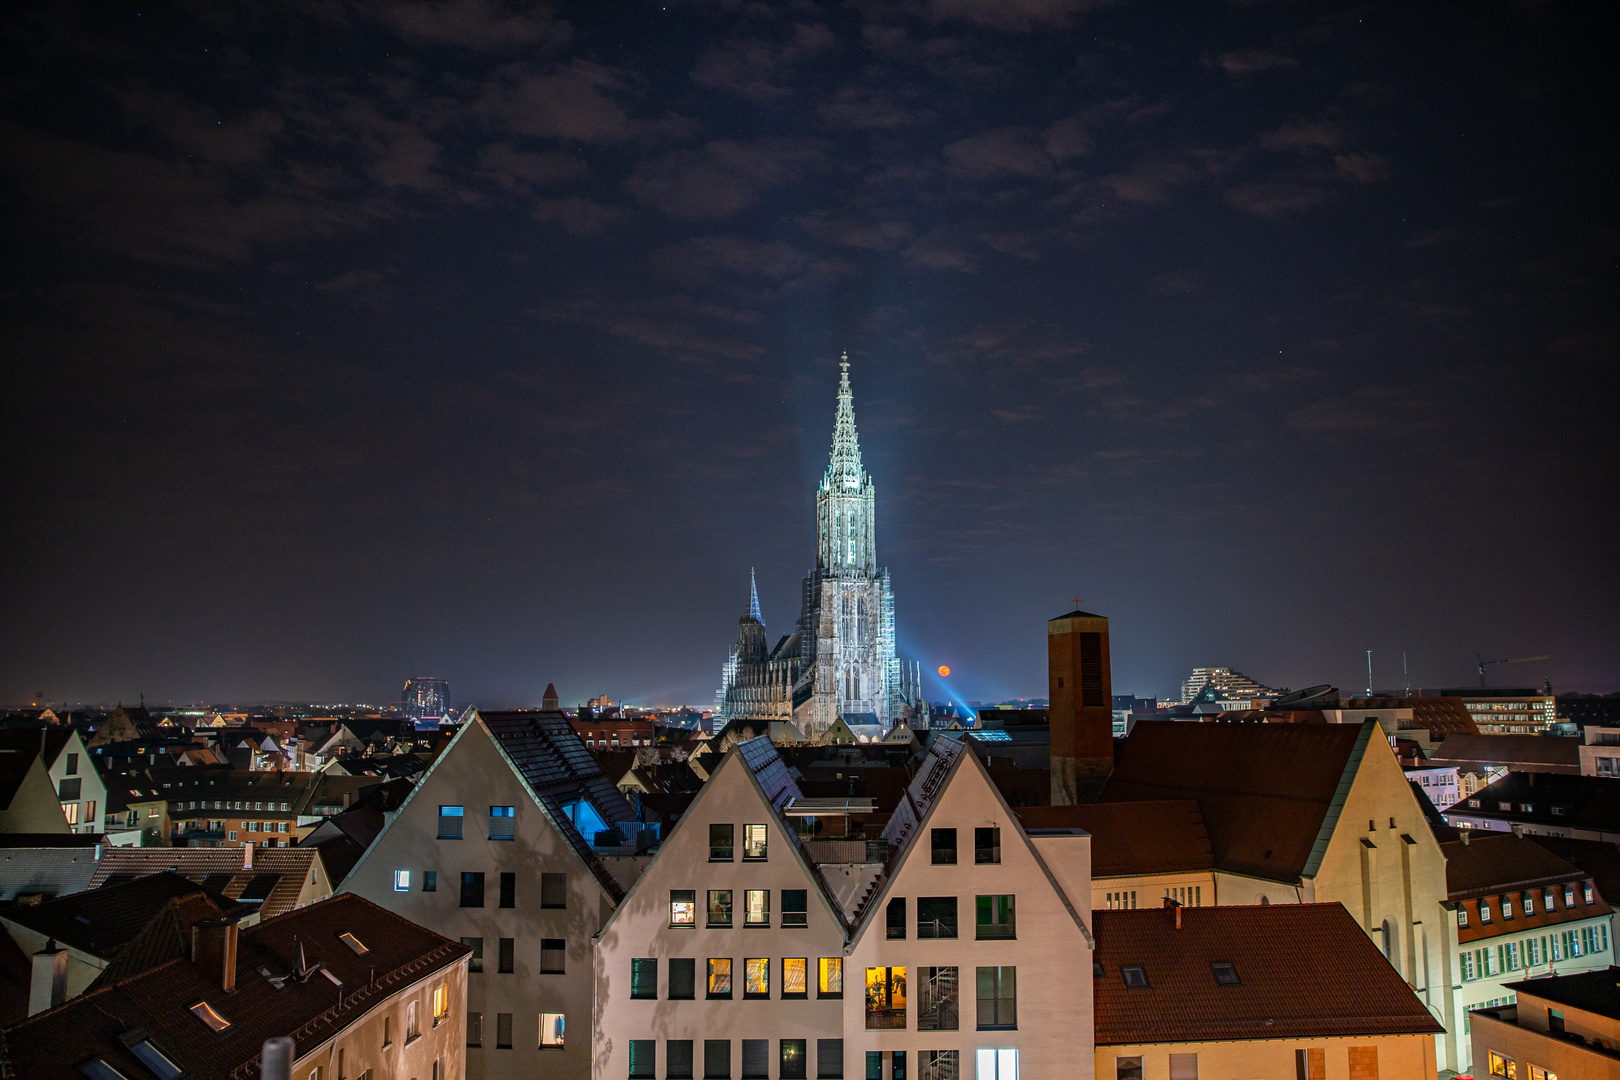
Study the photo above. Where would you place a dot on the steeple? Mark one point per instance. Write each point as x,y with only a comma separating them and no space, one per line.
844,472
753,599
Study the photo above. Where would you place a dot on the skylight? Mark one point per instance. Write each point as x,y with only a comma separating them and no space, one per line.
354,943
1225,973
333,979
149,1055
97,1069
205,1012
1134,975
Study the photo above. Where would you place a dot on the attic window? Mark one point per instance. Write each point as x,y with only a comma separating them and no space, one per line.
1225,974
205,1012
1134,975
1558,811
162,1066
354,943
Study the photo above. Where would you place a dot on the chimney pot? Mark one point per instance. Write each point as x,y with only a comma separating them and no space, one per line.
1464,833
247,855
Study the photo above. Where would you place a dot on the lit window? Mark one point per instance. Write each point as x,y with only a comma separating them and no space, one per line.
353,943
502,822
830,977
1529,903
1462,916
997,1064
402,881
757,907
551,1030
1586,891
441,1003
719,907
795,973
450,818
683,907
205,1012
757,978
885,998
719,977
413,1023
754,842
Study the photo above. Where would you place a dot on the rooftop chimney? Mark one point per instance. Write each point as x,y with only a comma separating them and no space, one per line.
213,948
48,988
247,855
1464,835
1081,707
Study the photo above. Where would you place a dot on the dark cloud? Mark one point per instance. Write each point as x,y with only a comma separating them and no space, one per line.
720,178
1274,198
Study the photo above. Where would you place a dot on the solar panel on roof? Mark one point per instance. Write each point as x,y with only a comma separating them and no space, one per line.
767,765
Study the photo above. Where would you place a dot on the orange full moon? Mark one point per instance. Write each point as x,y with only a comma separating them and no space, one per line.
943,671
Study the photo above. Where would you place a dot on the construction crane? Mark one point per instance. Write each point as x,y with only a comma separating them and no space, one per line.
1484,663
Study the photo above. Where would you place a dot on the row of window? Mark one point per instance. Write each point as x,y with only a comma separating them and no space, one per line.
756,971
553,888
792,1059
937,994
70,810
1501,1065
219,826
722,843
553,955
1531,952
994,917
756,908
1528,898
553,1028
502,822
227,804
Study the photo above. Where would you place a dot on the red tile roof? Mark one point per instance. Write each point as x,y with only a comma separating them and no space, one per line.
1304,971
52,1045
1129,839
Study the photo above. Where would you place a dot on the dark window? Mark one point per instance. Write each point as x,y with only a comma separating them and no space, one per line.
896,915
943,845
475,1029
1225,974
644,980
720,841
938,997
719,907
508,955
1091,670
508,890
1134,975
998,998
716,1059
987,845
756,1059
553,955
503,1031
475,963
73,765
678,1059
430,881
829,1059
1555,1021
682,978
874,1065
936,916
795,907
642,1053
1129,1068
795,1055
995,918
553,890
1097,971
450,822
69,790
897,1064
472,889
502,822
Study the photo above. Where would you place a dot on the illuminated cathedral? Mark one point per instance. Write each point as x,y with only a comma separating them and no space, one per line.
840,662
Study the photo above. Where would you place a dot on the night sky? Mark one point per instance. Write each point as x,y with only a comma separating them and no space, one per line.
352,341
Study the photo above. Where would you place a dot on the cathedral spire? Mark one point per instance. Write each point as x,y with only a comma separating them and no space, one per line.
844,470
753,599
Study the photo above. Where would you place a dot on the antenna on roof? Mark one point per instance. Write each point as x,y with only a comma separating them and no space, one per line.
1406,678
1369,673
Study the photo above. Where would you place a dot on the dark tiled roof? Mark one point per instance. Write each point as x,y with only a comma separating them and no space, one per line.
199,864
102,921
1594,991
1491,864
49,840
1591,802
1598,859
1304,971
1442,716
165,938
1264,789
53,1044
1533,753
1128,839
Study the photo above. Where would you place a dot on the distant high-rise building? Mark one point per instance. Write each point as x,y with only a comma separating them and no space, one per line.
1228,685
426,698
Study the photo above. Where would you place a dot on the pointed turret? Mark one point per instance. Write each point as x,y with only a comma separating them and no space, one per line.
753,599
548,700
844,472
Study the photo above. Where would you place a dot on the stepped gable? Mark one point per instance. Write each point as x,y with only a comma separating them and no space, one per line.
1265,790
1304,971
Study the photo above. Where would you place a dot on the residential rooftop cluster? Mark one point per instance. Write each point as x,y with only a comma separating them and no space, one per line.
1310,884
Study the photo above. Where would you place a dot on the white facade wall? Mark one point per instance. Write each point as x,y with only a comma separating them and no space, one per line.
641,929
88,813
1051,952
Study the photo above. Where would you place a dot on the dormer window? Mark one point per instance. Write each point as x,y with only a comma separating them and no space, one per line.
1484,911
1462,917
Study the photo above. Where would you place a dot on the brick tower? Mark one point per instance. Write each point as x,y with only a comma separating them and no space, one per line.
1082,711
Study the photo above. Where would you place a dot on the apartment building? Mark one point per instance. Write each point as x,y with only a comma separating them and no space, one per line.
362,993
1519,912
210,807
1563,1028
1544,804
504,844
1226,992
79,786
738,954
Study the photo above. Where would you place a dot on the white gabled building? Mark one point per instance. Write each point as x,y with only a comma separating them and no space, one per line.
957,952
497,847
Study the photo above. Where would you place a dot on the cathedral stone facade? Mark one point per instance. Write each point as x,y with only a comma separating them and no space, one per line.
840,661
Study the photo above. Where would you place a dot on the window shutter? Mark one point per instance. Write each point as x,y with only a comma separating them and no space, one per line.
717,1059
756,1059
